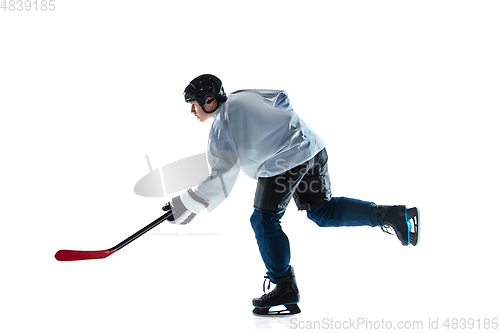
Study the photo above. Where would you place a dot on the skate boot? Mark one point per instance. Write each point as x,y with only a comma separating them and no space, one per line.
285,293
404,221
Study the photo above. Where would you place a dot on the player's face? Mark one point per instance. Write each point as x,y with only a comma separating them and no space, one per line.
199,113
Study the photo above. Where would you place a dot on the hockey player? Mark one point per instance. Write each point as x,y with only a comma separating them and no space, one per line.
258,132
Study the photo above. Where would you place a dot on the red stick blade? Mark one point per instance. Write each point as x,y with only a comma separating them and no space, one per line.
71,255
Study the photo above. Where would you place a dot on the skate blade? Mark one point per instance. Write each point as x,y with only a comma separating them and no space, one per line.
413,215
291,310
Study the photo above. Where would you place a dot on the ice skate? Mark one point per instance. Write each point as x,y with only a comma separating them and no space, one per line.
404,221
284,294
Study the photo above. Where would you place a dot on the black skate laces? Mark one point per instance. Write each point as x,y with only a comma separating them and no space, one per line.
272,292
385,228
264,284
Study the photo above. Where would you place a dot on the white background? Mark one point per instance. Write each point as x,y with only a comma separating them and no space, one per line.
404,93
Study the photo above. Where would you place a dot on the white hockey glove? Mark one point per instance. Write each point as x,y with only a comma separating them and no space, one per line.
185,207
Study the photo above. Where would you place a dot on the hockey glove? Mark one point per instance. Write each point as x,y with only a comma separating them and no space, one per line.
185,207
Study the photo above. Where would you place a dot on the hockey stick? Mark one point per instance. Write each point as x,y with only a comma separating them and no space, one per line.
72,255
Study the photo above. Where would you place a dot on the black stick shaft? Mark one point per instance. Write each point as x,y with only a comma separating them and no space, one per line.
141,232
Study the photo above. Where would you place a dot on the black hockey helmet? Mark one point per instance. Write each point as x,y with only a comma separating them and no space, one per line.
206,85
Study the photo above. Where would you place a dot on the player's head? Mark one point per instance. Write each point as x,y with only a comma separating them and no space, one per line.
205,89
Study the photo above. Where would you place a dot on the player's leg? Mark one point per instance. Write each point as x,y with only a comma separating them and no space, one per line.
344,212
273,243
274,248
314,195
271,199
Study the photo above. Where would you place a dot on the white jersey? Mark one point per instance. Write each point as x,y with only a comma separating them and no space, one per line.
256,132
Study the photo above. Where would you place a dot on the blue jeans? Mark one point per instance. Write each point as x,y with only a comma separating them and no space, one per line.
274,246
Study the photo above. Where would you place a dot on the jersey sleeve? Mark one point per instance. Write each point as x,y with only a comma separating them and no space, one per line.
225,168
